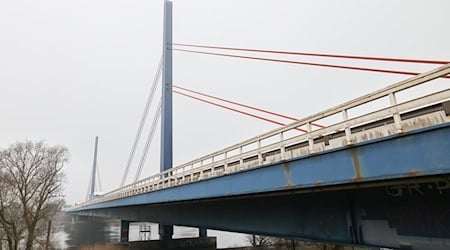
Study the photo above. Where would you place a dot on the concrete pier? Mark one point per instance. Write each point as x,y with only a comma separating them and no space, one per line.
124,230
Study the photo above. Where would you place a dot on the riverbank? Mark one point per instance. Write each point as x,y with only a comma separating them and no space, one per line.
297,245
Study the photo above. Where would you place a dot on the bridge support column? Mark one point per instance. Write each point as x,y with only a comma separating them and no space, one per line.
202,233
165,232
124,230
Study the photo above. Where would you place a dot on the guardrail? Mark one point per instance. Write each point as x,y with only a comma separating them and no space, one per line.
287,142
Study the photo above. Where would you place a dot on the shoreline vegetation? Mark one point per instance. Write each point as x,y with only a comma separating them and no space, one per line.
287,245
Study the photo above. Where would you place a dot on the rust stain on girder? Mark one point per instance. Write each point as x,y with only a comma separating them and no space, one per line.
414,173
359,175
287,174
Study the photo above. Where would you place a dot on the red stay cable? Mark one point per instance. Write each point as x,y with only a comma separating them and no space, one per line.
243,105
235,110
306,63
389,59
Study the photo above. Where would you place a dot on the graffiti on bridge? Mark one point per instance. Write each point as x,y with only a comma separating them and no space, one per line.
418,189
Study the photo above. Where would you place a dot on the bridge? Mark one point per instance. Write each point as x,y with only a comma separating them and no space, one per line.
377,179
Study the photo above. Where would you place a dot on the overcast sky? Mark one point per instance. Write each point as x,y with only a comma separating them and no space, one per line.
71,70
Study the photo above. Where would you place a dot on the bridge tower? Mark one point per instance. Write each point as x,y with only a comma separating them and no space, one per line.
166,108
91,194
166,231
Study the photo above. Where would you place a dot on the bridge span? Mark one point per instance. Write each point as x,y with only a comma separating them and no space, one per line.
379,179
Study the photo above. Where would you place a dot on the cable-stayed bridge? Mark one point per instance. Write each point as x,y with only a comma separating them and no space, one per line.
377,179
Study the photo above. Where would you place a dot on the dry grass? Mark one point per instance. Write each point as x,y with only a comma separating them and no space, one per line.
100,247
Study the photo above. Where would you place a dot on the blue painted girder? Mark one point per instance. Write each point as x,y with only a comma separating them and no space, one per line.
420,153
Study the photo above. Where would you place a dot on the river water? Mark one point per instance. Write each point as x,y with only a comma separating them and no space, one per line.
73,233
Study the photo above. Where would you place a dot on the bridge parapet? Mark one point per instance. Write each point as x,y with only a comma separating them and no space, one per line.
288,143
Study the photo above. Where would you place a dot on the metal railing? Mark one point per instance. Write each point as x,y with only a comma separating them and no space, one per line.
287,142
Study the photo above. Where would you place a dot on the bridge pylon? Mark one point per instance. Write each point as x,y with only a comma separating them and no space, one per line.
166,231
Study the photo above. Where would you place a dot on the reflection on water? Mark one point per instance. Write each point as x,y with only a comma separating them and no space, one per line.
88,230
224,239
136,233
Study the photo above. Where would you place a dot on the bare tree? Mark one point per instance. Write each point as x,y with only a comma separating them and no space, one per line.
31,181
10,214
2,237
259,240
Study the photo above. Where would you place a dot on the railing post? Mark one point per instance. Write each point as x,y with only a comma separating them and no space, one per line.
282,149
396,115
225,162
241,161
348,131
260,159
310,139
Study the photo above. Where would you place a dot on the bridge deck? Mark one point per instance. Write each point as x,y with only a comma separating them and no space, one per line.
417,153
332,183
389,192
335,151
